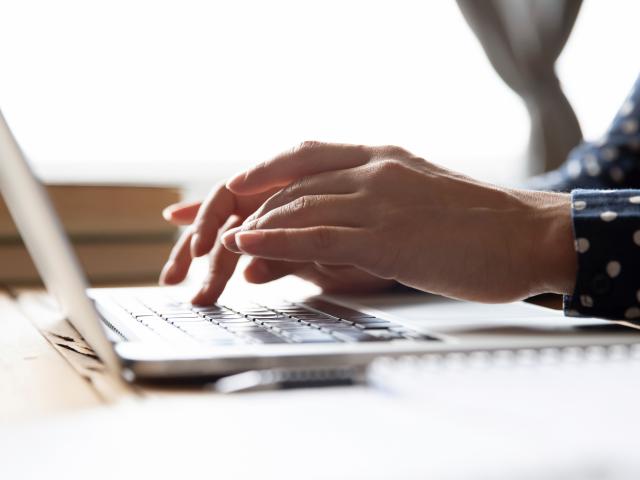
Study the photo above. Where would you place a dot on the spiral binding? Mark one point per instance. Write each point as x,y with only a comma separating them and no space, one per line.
517,357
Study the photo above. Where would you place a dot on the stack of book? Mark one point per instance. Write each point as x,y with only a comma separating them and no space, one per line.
117,232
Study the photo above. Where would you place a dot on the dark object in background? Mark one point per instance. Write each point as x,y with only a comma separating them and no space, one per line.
523,39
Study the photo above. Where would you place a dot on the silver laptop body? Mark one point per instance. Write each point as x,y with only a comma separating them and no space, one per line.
152,333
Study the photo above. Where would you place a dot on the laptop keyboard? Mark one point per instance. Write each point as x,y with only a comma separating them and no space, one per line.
314,321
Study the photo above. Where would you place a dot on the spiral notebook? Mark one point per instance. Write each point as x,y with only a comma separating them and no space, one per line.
516,377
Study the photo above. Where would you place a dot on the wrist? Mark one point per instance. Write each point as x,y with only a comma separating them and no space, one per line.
549,231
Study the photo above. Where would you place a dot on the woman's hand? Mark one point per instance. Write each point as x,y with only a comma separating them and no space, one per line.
399,217
222,211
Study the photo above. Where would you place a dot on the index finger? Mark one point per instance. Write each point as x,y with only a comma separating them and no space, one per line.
309,158
212,214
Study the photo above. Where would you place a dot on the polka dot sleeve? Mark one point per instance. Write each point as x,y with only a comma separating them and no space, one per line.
607,240
611,162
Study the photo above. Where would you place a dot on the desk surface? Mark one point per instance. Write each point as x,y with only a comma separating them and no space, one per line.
62,417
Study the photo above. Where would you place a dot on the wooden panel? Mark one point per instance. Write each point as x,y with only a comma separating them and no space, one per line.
34,379
44,314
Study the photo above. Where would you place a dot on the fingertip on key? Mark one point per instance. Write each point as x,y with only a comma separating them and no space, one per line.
205,296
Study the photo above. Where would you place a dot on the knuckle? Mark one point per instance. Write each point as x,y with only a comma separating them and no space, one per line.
385,169
393,151
290,192
306,145
364,151
299,204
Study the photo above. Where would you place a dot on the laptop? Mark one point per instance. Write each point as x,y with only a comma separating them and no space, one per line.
156,334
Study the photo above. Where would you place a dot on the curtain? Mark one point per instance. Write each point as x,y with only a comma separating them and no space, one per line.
523,39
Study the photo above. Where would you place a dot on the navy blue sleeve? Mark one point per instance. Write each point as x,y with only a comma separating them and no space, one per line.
607,241
610,163
604,180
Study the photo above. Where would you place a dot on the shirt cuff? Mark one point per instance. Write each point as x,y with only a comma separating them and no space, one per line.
606,225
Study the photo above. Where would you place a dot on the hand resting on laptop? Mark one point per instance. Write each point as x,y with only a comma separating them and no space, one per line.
351,217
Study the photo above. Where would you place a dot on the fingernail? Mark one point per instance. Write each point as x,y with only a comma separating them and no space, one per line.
235,181
167,213
166,272
248,240
229,240
195,245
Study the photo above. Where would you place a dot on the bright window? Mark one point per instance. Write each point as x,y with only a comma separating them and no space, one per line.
198,89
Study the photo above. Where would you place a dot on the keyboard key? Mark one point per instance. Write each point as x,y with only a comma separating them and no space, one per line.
274,321
313,317
212,334
386,334
223,315
264,337
313,336
208,309
185,317
336,310
377,325
228,320
292,327
165,330
355,336
245,328
328,325
135,309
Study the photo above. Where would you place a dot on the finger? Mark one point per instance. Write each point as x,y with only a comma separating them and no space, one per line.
181,213
221,267
213,213
177,266
325,183
304,212
328,245
260,270
309,158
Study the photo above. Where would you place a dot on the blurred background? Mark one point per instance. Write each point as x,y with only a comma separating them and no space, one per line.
184,91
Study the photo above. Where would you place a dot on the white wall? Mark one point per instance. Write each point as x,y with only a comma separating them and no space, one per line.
166,90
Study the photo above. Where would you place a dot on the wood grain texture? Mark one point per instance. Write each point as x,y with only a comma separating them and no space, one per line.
34,379
44,314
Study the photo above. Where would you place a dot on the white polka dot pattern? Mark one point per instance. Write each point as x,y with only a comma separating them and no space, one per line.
608,216
607,228
582,245
604,180
613,268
